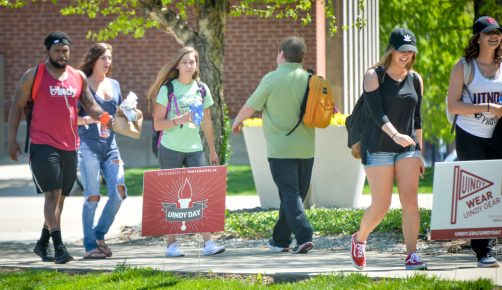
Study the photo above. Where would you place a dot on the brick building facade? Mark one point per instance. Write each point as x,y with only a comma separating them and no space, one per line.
250,50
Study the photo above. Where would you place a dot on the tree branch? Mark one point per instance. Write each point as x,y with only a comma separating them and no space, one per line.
170,20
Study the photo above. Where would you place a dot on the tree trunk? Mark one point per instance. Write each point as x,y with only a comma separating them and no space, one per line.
208,40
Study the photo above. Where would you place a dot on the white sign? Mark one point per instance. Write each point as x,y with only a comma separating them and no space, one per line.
467,200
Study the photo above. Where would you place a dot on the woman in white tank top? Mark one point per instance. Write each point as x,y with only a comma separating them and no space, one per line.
478,108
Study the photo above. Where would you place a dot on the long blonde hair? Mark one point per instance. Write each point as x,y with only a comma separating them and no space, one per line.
386,59
169,72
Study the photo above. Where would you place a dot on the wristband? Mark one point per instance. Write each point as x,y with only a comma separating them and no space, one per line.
174,122
394,135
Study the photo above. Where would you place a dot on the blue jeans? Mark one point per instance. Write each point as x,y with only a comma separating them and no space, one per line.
93,164
292,177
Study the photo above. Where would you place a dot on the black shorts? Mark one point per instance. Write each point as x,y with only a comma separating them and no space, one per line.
470,147
53,168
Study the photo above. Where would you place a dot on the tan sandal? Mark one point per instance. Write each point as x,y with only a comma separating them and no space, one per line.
104,249
94,255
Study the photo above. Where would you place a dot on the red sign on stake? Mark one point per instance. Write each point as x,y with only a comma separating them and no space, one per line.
185,200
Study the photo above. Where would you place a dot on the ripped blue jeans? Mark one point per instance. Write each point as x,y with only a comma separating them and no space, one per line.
93,163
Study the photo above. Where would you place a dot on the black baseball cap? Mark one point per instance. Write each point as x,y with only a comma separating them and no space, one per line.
403,39
485,24
55,38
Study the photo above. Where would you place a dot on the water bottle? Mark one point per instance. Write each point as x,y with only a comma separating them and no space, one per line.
104,132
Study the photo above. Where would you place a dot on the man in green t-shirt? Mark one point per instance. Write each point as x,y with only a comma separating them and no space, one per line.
279,96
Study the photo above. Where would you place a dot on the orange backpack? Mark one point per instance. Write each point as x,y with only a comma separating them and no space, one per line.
318,103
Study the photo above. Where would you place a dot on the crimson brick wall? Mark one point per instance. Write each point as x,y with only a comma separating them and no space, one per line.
250,49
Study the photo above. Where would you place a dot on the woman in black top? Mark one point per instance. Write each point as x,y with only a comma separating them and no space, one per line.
391,144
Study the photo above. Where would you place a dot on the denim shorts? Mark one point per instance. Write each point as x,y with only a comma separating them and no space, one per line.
389,158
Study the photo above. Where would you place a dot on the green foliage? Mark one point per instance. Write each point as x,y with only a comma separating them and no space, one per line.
492,8
442,29
133,17
259,224
126,15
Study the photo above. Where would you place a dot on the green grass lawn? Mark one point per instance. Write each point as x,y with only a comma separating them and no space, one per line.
125,277
240,181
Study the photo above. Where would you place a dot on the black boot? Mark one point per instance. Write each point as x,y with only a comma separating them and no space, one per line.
43,252
61,255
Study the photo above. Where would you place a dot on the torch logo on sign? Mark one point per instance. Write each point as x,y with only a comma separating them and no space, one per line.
466,184
184,213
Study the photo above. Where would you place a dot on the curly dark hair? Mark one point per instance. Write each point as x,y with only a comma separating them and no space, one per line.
92,56
472,49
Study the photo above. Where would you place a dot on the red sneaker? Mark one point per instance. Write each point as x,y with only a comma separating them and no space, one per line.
358,253
413,262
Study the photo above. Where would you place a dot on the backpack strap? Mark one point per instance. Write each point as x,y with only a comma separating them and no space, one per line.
38,80
39,73
304,102
170,96
467,68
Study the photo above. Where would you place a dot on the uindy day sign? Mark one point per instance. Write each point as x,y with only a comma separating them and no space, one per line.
185,200
467,202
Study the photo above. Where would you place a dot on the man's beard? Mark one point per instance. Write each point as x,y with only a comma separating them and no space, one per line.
57,64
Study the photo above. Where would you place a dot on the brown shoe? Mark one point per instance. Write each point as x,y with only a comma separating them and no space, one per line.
103,248
94,254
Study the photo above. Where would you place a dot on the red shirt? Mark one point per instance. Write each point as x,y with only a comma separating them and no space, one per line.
54,118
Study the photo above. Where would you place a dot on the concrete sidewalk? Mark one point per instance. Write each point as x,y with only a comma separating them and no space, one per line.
255,261
21,220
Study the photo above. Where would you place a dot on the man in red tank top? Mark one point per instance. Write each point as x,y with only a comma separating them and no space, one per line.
53,135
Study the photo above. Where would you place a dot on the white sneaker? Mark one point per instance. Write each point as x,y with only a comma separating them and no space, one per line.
488,262
210,248
174,251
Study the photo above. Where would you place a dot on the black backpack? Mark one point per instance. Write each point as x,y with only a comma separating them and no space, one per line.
360,115
157,135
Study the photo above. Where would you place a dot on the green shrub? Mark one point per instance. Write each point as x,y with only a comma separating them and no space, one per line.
258,224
